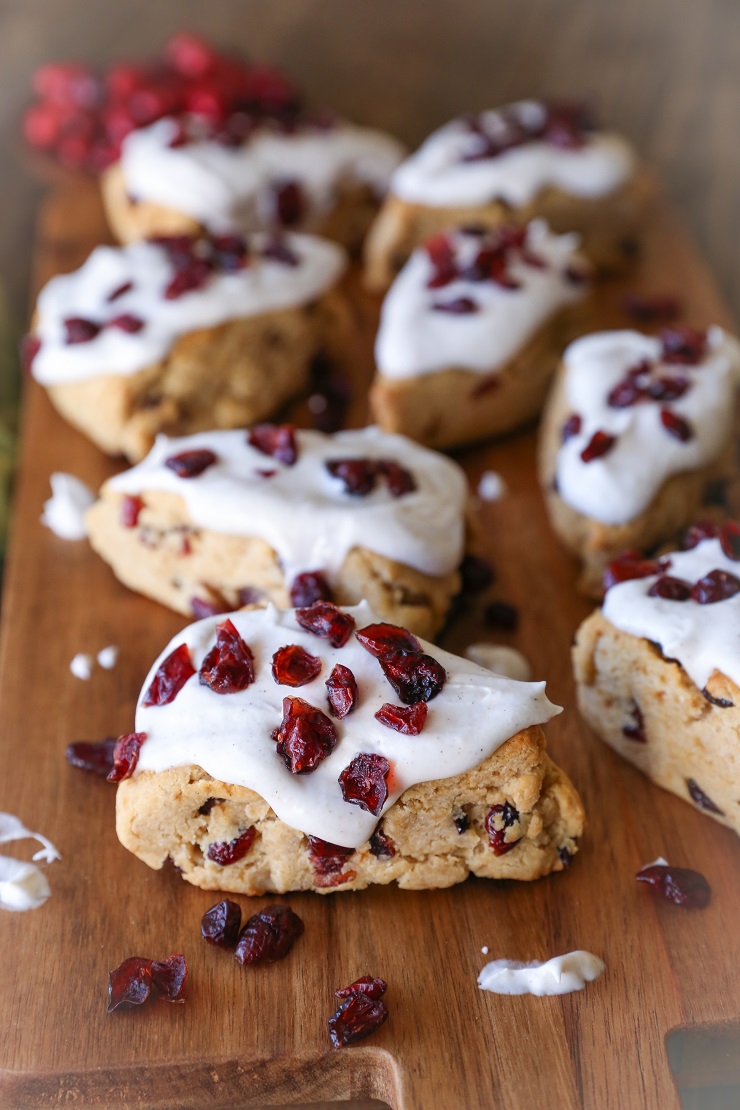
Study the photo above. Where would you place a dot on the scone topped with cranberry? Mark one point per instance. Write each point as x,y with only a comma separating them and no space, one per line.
320,748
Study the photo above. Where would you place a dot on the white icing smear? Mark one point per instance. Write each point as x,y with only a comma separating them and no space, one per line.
12,828
415,338
703,638
264,285
303,512
229,736
437,174
620,485
23,886
501,660
81,666
64,512
225,187
560,975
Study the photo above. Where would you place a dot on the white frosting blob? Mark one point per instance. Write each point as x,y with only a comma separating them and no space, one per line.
703,638
229,736
414,338
620,485
265,285
303,512
436,174
22,885
81,666
500,659
659,862
64,512
491,486
12,828
560,975
224,187
108,657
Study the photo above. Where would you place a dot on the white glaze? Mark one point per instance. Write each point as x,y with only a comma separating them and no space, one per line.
225,187
491,486
12,828
436,175
108,657
64,512
265,285
23,886
81,666
703,638
619,486
304,513
500,659
229,736
414,338
560,975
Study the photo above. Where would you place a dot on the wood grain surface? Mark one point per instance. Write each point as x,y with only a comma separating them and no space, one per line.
252,1037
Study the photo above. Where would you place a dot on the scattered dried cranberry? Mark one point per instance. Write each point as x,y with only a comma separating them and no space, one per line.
499,614
79,330
408,719
170,677
441,255
127,322
192,274
326,620
668,389
126,756
119,291
599,445
414,676
672,589
130,508
169,977
289,203
632,564
649,309
381,846
571,427
379,639
359,1015
718,585
680,885
676,426
202,607
636,731
460,820
460,306
499,819
701,799
276,440
226,852
229,665
268,935
96,756
189,464
305,737
566,857
357,475
328,862
399,480
624,394
136,979
293,666
476,574
309,587
683,345
232,253
373,988
729,539
363,782
696,533
342,691
220,925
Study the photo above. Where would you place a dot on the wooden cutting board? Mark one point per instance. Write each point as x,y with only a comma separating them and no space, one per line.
249,1037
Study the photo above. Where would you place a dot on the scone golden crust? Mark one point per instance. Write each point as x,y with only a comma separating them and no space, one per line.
179,813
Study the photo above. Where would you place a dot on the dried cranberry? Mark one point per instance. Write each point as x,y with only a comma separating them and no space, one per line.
632,564
718,585
342,691
129,984
672,589
169,977
79,330
305,737
96,756
126,756
232,253
379,639
249,595
276,440
357,1017
442,257
268,935
220,925
696,533
721,703
460,820
326,620
476,574
170,677
202,607
131,506
363,782
566,857
680,885
625,393
328,862
729,539
309,587
127,322
578,274
499,819
381,846
459,306
226,852
293,666
599,445
373,988
636,730
29,348
571,427
649,309
683,345
119,291
190,464
408,719
229,665
668,389
701,799
357,475
640,370
399,480
499,614
277,250
188,278
414,676
289,202
676,426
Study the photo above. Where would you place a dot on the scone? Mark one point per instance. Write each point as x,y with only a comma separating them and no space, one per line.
635,430
250,172
658,669
273,755
176,335
472,330
220,519
523,161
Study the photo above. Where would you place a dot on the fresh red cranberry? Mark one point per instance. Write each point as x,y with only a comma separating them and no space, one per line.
379,639
381,846
305,737
226,852
697,533
458,306
288,203
636,730
729,538
190,464
29,348
341,687
119,291
127,322
277,250
359,1015
701,799
718,585
599,445
229,665
171,675
571,427
476,574
137,979
357,475
131,506
501,615
373,988
326,620
126,756
442,257
95,756
328,862
276,440
169,977
683,345
220,925
79,330
268,936
293,666
364,782
309,587
398,479
202,607
414,676
632,564
668,389
624,394
650,309
671,589
676,426
499,819
679,885
407,719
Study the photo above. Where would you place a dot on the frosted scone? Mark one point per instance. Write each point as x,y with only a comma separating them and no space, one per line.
318,749
221,519
175,335
658,669
634,431
472,329
525,160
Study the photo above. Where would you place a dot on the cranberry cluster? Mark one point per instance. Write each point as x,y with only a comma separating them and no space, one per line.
564,124
138,979
327,861
267,936
717,585
361,1011
496,249
359,476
